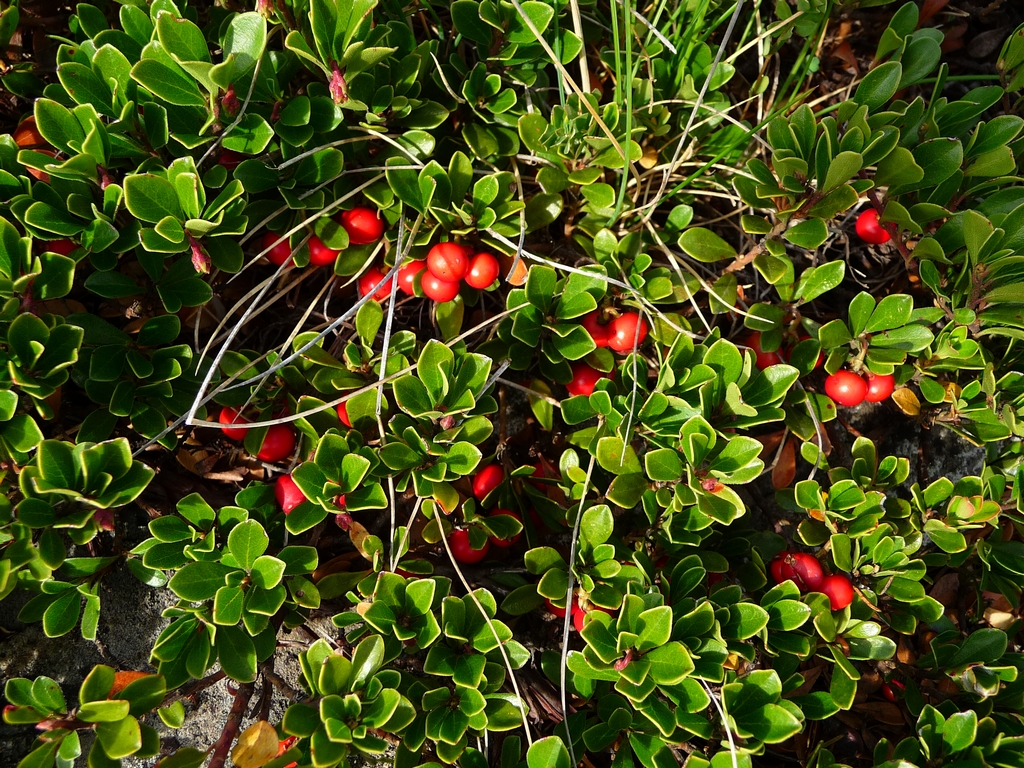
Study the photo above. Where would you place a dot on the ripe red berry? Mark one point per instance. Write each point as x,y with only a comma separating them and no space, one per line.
846,388
319,254
838,589
579,615
887,693
279,252
278,444
363,225
486,480
230,159
370,279
880,386
343,414
407,275
584,379
231,416
62,246
503,543
463,551
448,262
762,359
437,289
483,271
539,472
869,229
802,568
560,612
623,332
287,493
598,332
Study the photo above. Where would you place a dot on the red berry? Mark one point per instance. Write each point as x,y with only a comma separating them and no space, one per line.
279,252
869,229
448,262
230,159
838,589
231,416
287,493
437,289
486,480
63,246
560,612
503,543
463,551
579,615
584,379
319,254
623,333
880,386
407,275
370,279
846,388
598,332
278,444
363,225
539,472
888,694
762,359
802,568
483,271
343,414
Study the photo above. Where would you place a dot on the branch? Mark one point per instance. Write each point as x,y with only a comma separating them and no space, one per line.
227,736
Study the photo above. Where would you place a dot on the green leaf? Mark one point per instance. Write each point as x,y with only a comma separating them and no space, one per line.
104,711
62,614
818,280
46,693
267,571
879,85
97,684
227,605
466,17
843,167
151,198
237,654
58,125
120,738
549,752
171,84
199,581
892,312
704,245
663,465
246,542
808,234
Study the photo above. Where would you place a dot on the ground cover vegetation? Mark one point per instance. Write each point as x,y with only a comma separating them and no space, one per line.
492,316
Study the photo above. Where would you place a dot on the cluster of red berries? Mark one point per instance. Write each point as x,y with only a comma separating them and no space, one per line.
803,569
277,445
363,225
447,266
485,482
850,389
622,334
